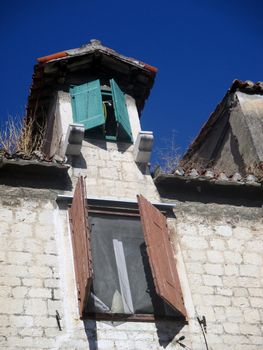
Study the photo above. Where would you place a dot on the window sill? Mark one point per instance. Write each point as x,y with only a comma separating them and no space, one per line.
133,318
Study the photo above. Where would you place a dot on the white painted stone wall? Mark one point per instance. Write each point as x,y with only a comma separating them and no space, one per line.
111,172
218,247
219,252
222,249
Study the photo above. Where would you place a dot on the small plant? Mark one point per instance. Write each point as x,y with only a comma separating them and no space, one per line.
20,136
168,157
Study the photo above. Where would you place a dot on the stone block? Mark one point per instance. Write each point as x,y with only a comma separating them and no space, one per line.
39,293
11,306
252,258
35,282
21,321
35,307
45,217
195,267
255,246
217,300
25,216
4,321
240,292
230,327
256,292
247,329
5,291
224,291
215,256
196,255
251,315
54,305
223,230
19,258
242,233
214,269
256,302
218,244
19,292
6,215
248,282
21,229
45,321
10,281
236,245
192,242
240,302
249,270
17,342
31,332
46,259
211,280
231,270
232,257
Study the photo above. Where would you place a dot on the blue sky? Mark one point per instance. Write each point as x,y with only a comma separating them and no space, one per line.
199,47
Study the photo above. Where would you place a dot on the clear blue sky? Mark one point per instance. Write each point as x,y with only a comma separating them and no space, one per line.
199,47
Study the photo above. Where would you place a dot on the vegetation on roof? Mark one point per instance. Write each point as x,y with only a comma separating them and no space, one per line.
18,138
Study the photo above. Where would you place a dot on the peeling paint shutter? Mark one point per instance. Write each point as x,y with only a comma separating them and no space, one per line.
81,244
121,112
160,253
87,104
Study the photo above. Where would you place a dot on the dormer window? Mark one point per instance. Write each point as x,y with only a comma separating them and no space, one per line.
102,110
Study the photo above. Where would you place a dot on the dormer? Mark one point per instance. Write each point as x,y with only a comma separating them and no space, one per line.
90,92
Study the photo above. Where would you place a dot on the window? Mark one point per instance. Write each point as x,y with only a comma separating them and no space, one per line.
124,262
102,110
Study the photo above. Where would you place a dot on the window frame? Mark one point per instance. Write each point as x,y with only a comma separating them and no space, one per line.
100,208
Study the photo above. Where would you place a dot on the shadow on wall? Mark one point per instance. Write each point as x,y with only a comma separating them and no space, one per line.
166,331
91,333
78,162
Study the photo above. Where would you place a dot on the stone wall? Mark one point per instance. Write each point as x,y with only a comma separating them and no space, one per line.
219,257
221,247
110,171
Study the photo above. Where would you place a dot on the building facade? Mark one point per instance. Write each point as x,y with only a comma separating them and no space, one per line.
95,254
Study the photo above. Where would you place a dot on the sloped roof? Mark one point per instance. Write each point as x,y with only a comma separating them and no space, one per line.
54,71
92,47
231,141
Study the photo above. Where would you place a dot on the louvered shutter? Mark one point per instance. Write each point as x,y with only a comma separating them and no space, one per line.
161,257
81,244
121,112
87,105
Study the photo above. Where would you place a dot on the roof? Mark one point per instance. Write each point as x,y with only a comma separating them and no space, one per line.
231,141
61,69
95,46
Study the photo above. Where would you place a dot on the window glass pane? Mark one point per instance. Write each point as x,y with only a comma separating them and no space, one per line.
122,277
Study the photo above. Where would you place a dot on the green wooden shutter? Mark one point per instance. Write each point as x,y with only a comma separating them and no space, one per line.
87,104
120,109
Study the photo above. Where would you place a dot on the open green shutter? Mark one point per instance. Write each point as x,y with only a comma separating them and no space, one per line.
87,104
120,108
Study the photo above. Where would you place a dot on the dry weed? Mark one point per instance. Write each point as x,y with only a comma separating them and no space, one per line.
20,136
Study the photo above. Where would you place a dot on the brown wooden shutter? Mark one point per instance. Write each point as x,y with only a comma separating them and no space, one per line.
160,253
81,244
